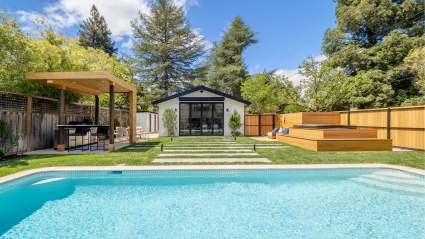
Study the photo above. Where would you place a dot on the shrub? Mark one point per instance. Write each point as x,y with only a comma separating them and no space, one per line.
235,124
7,142
169,121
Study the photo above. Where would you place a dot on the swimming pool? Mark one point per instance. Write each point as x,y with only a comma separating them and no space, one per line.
334,203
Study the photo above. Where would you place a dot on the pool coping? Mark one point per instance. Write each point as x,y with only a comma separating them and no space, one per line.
30,172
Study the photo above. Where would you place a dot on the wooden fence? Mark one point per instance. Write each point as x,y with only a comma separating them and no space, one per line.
256,125
404,125
44,116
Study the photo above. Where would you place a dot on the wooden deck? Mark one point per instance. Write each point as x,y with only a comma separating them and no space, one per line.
347,144
335,138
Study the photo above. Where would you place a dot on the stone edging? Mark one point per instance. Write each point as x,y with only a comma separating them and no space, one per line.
24,174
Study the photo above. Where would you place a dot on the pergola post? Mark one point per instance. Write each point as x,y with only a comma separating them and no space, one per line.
96,110
111,116
61,144
133,110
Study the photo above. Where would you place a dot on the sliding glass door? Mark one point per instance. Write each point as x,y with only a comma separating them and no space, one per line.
204,119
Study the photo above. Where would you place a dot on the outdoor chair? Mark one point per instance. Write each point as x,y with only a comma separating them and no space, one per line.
100,132
272,135
120,132
139,132
79,132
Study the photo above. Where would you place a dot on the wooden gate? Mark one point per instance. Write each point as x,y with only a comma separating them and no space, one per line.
257,125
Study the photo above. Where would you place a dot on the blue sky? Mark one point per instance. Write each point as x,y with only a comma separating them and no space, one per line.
288,31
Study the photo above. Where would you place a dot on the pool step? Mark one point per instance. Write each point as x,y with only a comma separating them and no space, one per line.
391,180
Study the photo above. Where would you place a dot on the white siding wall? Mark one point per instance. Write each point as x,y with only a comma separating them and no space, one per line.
228,104
142,120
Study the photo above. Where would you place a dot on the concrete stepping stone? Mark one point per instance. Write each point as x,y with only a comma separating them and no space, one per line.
144,148
210,160
206,143
211,154
219,145
206,150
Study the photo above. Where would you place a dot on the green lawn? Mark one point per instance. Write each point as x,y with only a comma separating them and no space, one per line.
292,155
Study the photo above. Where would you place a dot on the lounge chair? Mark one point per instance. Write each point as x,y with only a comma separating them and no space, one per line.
272,135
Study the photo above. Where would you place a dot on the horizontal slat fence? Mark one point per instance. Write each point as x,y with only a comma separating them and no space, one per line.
256,125
44,117
406,128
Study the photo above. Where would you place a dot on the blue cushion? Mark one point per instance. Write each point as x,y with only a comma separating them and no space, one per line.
286,131
275,130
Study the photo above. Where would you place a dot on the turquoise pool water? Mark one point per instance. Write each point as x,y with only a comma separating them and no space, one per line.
216,204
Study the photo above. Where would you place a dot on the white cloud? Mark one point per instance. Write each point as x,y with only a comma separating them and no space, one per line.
320,58
128,44
256,67
117,13
294,76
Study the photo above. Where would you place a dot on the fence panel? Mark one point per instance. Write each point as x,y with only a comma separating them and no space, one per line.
252,125
407,124
18,121
44,117
266,124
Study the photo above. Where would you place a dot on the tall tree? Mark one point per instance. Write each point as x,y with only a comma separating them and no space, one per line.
370,41
322,87
262,90
94,33
228,70
166,48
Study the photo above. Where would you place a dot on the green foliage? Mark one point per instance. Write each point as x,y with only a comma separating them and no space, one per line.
370,42
228,70
166,48
294,109
47,51
169,121
7,142
262,90
415,61
94,33
322,87
235,123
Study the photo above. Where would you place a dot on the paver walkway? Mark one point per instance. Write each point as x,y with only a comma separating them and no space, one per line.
199,151
210,160
209,154
206,150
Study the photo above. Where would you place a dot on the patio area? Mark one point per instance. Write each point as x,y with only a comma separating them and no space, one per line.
119,144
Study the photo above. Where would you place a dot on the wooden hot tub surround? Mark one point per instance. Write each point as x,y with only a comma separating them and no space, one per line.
323,138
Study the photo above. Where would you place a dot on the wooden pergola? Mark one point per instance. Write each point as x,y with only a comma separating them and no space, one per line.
94,83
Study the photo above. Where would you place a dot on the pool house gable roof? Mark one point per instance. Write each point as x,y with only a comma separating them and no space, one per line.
204,88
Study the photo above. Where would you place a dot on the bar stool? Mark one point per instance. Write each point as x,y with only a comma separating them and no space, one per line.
79,132
101,131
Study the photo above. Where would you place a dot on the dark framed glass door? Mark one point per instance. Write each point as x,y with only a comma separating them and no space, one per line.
201,119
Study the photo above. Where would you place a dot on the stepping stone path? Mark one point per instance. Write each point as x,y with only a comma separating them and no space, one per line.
199,151
206,150
210,160
209,154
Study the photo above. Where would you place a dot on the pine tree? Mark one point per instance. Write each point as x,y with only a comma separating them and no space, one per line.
95,33
228,69
166,48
